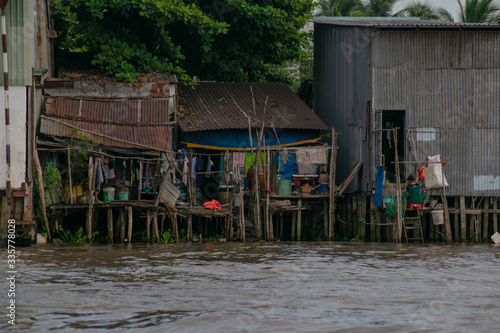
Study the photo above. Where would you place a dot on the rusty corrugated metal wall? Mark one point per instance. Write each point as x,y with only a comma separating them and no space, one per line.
444,79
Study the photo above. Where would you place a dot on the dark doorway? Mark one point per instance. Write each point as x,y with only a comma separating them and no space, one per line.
392,119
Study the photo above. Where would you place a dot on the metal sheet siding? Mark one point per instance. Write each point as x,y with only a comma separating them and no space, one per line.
20,42
446,80
342,93
136,123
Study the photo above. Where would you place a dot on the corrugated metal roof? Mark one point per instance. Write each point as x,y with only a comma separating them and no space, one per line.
225,105
20,42
400,23
131,112
139,124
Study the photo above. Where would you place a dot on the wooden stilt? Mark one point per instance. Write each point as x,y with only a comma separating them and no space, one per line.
281,226
495,215
362,217
486,219
325,219
456,225
120,225
333,163
110,225
148,225
155,225
175,227
42,193
463,220
69,178
190,228
130,219
299,220
294,225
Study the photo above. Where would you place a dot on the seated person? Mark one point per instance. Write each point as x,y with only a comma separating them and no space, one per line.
414,193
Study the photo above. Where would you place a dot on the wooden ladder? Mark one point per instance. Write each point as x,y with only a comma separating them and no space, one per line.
413,225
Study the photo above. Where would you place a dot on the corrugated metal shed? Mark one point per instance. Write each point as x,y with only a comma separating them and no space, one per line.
442,79
398,23
138,124
220,105
20,42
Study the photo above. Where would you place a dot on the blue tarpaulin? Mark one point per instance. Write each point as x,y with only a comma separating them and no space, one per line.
240,138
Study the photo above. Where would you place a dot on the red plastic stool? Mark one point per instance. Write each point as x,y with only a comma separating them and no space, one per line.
413,206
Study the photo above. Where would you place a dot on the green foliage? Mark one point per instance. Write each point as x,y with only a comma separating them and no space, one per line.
140,237
356,239
225,40
78,237
80,158
423,9
51,182
167,237
340,7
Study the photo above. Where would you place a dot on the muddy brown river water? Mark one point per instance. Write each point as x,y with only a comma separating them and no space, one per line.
257,287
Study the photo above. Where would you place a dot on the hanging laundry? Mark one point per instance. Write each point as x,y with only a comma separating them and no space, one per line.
200,167
210,165
140,176
193,167
185,171
379,186
238,159
99,175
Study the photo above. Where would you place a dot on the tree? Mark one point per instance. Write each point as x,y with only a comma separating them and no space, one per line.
475,11
479,11
340,7
378,7
230,40
424,10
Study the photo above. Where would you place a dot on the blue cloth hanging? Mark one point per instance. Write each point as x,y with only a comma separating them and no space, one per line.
379,186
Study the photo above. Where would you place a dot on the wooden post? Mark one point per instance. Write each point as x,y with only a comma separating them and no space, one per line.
399,217
130,219
447,225
333,162
242,214
155,226
91,174
455,219
299,219
269,217
120,225
485,219
325,219
148,225
42,193
175,227
190,228
294,225
463,220
69,177
495,215
362,216
110,225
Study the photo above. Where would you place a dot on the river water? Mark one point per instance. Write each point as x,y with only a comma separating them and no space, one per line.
257,287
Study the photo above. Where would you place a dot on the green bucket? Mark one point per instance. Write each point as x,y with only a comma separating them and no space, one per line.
285,187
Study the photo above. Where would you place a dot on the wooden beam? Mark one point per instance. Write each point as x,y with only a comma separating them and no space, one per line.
90,209
495,216
299,219
345,184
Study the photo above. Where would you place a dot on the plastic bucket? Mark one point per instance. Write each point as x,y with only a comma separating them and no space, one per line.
123,196
437,217
285,187
323,187
109,193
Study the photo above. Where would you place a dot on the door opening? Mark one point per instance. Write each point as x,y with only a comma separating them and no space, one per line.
392,119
